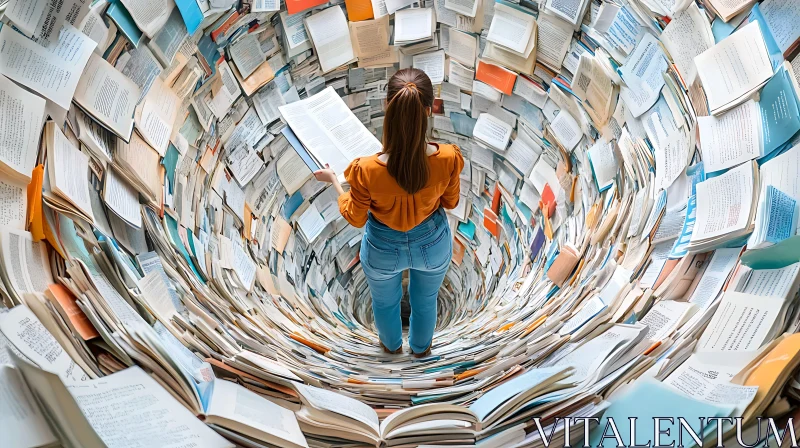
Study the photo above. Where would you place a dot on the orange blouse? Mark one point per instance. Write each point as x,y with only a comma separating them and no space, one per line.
373,189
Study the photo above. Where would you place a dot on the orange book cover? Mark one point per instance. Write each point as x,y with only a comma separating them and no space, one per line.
68,303
548,202
490,222
225,26
295,6
496,76
458,251
496,200
358,10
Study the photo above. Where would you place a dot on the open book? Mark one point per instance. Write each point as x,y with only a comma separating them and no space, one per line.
329,130
330,414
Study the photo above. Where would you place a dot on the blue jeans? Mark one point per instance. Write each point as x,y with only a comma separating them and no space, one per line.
385,253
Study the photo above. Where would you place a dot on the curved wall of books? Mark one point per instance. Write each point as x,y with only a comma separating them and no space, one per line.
172,274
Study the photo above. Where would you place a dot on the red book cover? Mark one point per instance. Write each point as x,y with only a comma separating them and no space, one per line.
295,6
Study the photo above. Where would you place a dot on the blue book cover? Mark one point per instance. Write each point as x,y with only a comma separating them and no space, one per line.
780,114
122,18
309,160
191,13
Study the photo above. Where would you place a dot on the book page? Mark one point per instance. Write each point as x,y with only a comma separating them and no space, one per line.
331,37
339,404
13,204
156,115
122,199
21,421
140,161
108,95
68,168
237,404
511,28
686,36
741,323
643,75
782,16
93,26
463,7
566,130
522,155
724,203
247,54
329,130
734,67
130,409
604,166
168,42
432,64
492,131
228,92
569,10
554,37
140,66
21,115
24,330
292,171
463,48
54,71
777,283
149,15
412,24
311,223
731,138
370,37
42,19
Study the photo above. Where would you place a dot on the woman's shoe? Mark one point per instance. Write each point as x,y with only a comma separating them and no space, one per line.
396,352
425,353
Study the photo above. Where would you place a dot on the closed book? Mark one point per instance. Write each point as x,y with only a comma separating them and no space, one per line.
496,76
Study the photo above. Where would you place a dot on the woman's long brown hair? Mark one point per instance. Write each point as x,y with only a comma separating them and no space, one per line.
405,128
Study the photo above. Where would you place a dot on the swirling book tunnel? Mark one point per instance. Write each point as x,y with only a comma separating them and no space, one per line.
624,245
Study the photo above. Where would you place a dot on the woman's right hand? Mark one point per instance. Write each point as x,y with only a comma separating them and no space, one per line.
325,175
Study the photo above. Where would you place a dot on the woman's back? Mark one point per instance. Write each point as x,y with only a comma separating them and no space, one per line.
373,188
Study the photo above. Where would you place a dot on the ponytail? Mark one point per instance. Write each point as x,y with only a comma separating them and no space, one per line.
405,128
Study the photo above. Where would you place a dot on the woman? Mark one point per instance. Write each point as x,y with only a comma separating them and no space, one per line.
400,195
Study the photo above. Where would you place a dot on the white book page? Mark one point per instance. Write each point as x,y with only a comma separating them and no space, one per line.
511,28
21,421
122,199
149,15
741,323
22,114
714,277
24,330
156,116
522,155
412,24
324,119
643,75
723,203
463,7
53,72
295,29
94,27
42,19
492,131
340,404
227,94
664,317
686,36
463,48
244,163
68,169
292,171
569,10
566,130
432,64
108,95
554,37
19,249
731,138
773,282
311,223
129,408
247,54
734,67
236,403
331,37
13,204
604,166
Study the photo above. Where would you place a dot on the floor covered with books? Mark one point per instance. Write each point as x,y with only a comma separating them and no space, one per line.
625,242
